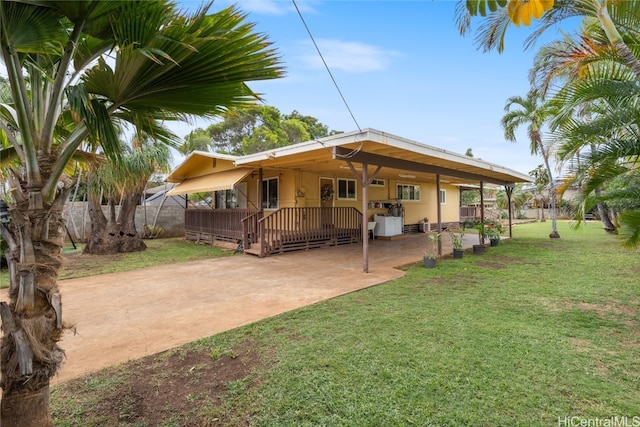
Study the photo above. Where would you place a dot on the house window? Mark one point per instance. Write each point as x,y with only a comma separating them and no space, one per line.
443,197
347,189
408,192
270,193
235,198
377,183
226,199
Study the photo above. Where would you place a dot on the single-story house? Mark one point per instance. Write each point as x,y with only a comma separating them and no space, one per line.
340,189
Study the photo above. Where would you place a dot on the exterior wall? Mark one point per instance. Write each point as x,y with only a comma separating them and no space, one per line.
170,219
302,189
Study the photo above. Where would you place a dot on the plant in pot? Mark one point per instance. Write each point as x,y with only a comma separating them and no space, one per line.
457,240
493,230
482,234
431,253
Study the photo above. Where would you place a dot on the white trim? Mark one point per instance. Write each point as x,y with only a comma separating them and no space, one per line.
355,189
277,178
398,184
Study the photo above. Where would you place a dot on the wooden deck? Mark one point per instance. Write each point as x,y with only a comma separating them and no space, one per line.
295,229
285,230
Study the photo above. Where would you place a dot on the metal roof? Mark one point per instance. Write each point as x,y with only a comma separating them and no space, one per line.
401,158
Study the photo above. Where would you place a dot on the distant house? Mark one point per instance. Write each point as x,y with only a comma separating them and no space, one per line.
330,191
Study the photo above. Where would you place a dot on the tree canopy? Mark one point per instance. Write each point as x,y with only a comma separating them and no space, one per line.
253,129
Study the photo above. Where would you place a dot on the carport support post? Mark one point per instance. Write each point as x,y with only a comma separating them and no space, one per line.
509,190
439,210
365,219
365,180
481,231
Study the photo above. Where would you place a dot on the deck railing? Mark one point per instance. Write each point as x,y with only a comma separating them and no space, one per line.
290,229
251,229
210,225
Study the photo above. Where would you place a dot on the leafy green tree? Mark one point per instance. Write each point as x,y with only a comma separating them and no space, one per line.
259,128
197,140
314,128
77,71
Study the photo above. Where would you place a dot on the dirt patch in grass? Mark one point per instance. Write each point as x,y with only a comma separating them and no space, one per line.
185,387
76,263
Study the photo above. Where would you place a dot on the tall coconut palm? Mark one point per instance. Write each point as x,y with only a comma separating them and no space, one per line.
77,70
532,112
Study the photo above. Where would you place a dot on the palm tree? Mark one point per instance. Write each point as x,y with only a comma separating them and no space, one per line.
519,198
500,14
598,120
541,182
532,112
77,71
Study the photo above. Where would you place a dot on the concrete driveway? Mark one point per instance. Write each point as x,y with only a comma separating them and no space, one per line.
123,316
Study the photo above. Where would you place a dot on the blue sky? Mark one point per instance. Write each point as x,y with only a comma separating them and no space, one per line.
402,67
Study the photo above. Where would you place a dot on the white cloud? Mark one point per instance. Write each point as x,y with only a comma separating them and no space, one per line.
266,7
352,57
272,7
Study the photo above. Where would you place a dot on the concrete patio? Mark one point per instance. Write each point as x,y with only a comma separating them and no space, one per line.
128,315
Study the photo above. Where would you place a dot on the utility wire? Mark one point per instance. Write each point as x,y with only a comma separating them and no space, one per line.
325,65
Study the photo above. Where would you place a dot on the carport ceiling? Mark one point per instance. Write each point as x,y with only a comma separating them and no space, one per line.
401,159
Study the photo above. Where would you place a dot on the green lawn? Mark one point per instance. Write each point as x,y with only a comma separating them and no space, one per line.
532,331
158,252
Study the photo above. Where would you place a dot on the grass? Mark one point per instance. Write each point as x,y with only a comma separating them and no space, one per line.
528,333
158,252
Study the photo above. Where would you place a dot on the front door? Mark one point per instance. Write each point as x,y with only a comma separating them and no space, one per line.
326,201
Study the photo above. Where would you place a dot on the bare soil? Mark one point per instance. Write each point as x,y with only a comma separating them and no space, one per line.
177,388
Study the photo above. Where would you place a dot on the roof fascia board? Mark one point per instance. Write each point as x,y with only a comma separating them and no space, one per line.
440,153
303,147
341,153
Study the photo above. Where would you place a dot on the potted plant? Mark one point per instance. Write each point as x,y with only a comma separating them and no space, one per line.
431,253
457,239
493,230
482,234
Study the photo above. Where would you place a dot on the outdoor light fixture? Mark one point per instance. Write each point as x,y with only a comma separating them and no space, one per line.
406,176
4,212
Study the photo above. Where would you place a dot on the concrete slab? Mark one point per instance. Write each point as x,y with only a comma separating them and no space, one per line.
128,315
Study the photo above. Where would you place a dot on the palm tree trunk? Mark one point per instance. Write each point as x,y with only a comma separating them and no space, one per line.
552,193
32,320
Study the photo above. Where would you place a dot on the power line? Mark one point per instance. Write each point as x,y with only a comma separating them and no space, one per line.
325,65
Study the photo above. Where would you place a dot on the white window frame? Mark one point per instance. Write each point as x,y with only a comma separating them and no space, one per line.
401,193
268,205
355,189
443,197
378,183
